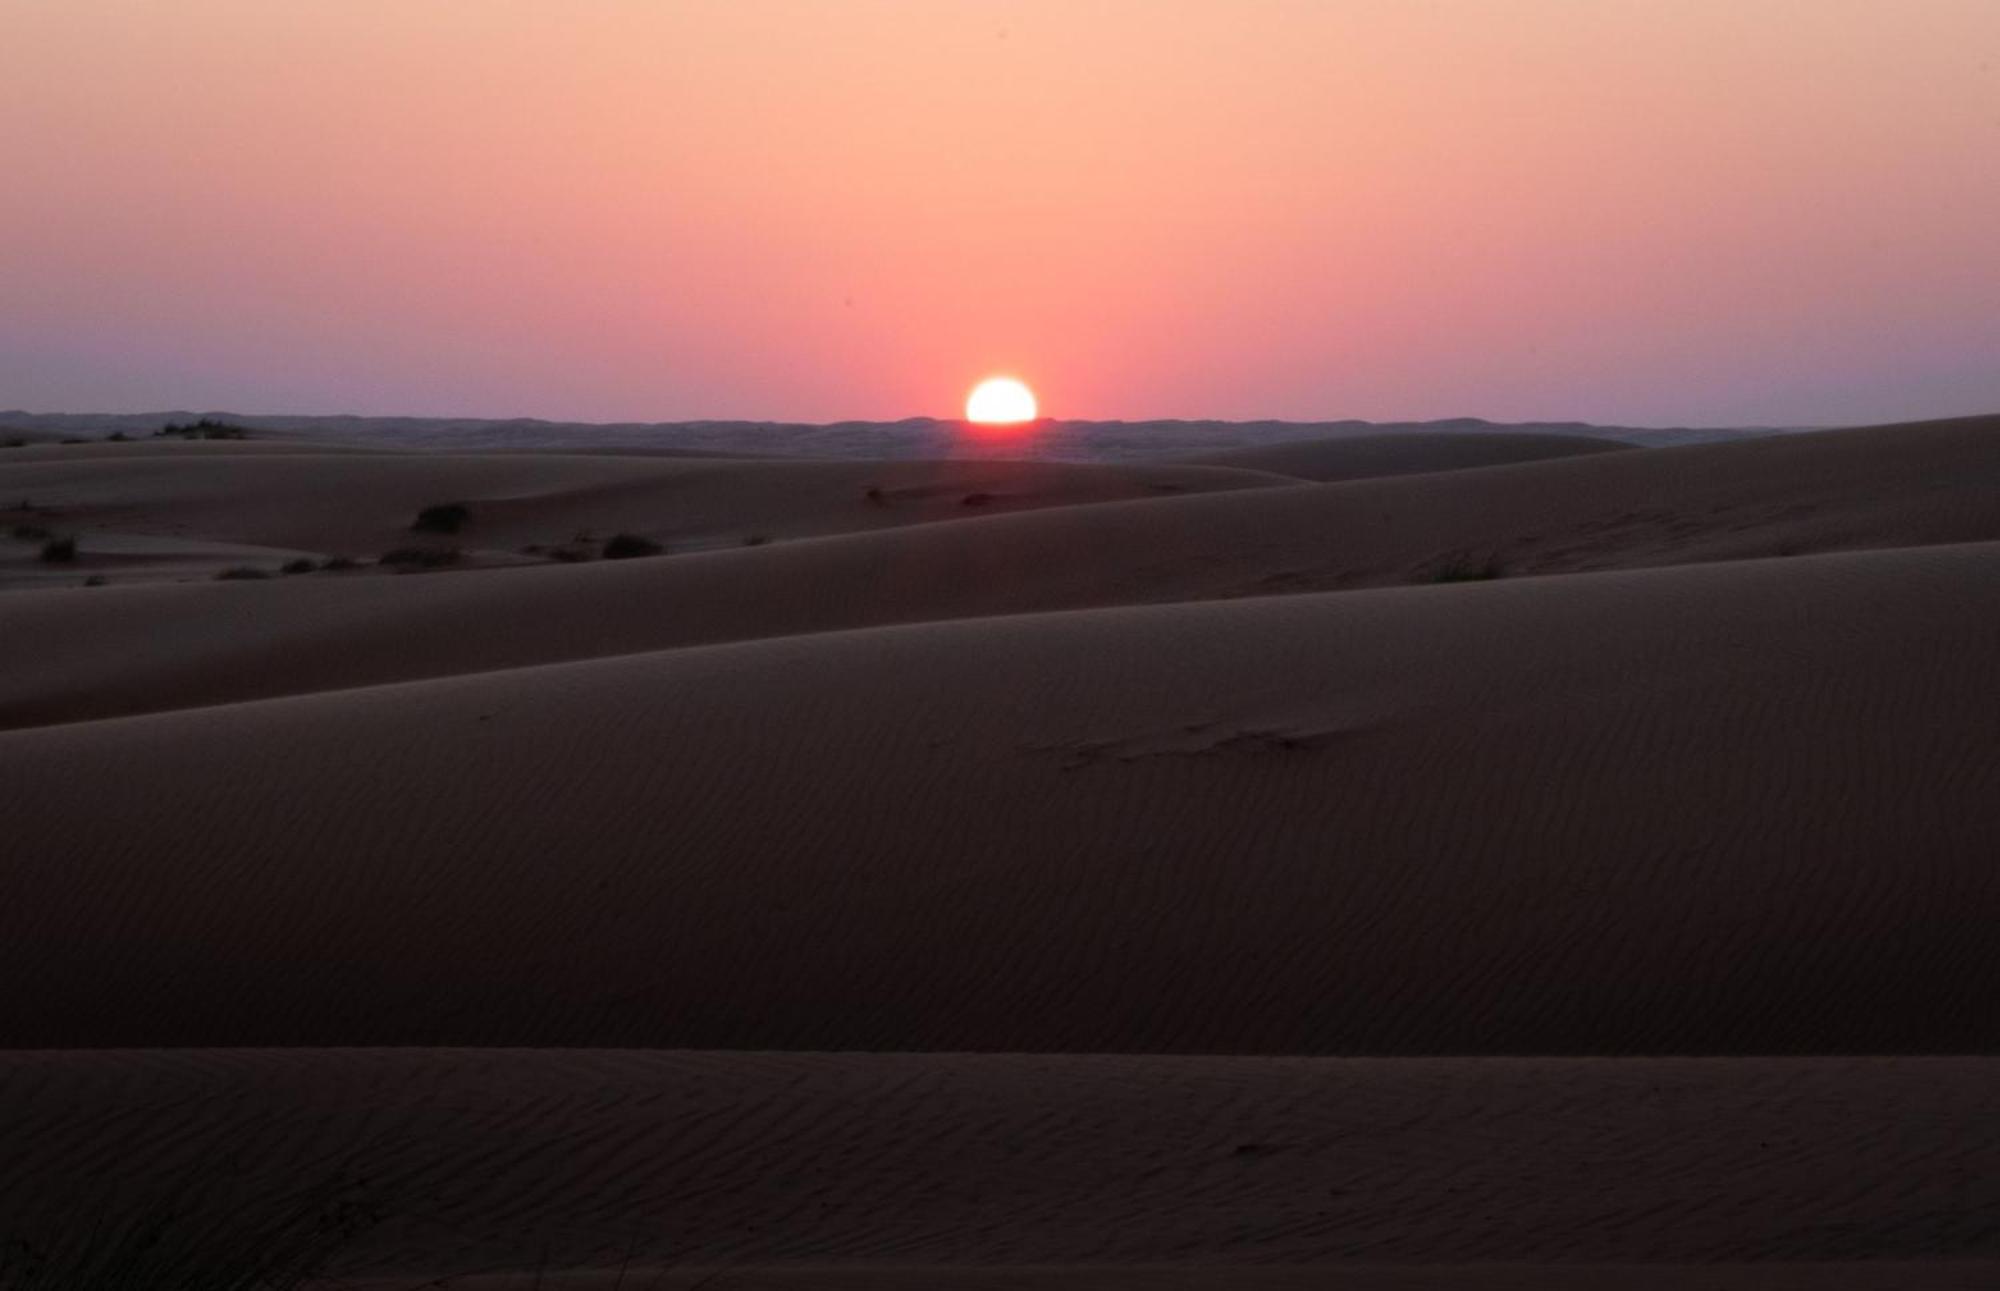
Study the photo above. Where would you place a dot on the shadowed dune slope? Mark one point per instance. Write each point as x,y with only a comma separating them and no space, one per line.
517,1159
1749,807
74,653
1374,456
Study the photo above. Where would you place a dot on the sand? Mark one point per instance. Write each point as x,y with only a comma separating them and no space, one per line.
1485,875
1363,457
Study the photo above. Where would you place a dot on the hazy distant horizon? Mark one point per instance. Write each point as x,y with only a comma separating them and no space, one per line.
1706,213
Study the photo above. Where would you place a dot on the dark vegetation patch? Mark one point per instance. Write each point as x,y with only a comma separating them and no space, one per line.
445,517
569,555
976,499
59,551
30,532
244,571
340,564
755,540
206,428
1467,569
624,546
300,566
410,558
95,580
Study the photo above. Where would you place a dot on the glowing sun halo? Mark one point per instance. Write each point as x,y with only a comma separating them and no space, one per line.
1000,401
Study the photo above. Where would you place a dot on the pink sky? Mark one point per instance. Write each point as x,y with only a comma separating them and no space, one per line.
1671,212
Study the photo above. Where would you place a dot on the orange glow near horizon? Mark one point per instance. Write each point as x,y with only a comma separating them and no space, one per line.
1000,401
1704,212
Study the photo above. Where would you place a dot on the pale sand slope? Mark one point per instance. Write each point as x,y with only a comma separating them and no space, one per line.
1738,808
1374,456
485,1160
75,653
362,503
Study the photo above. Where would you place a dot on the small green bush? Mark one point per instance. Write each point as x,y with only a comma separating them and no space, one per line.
624,546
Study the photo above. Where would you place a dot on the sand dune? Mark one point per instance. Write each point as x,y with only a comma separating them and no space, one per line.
344,502
1738,808
1374,456
938,1167
72,654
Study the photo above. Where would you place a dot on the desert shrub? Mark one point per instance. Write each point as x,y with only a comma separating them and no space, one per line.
340,564
875,495
74,439
244,571
58,551
95,580
975,499
16,442
624,546
419,557
1465,569
445,517
755,540
119,437
30,532
206,428
300,566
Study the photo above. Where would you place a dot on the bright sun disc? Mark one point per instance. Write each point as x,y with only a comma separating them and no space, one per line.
1000,401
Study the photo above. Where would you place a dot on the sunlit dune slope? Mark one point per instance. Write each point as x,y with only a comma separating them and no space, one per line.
954,1166
1373,456
82,653
1748,807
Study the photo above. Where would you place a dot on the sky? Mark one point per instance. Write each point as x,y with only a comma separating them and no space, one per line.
1689,212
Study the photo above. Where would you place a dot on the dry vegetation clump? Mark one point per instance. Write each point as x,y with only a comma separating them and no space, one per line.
206,428
409,558
624,546
59,551
445,517
1466,569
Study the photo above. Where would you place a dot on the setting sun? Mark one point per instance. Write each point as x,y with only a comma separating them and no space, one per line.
999,401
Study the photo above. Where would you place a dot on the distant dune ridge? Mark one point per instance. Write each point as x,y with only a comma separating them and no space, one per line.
909,438
1393,815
